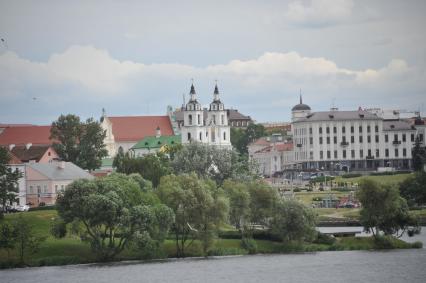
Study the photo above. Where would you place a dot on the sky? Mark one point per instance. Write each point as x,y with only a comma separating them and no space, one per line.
138,57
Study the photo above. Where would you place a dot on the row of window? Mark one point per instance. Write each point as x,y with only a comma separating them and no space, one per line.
361,139
200,136
352,129
39,189
361,153
190,122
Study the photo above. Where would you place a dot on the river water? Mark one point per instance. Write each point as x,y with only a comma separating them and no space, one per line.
342,266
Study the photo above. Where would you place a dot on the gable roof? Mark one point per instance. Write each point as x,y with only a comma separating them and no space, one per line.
35,152
20,135
135,128
54,172
397,125
154,142
233,114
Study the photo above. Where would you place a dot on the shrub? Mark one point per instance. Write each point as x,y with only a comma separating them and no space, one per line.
324,239
57,260
351,175
417,245
58,228
249,244
296,190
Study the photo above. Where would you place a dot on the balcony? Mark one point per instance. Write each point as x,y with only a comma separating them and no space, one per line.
369,157
344,143
396,142
299,145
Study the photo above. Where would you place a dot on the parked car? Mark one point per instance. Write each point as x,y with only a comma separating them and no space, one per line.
23,208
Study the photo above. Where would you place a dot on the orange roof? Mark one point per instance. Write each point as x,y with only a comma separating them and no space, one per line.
26,134
135,128
261,141
284,146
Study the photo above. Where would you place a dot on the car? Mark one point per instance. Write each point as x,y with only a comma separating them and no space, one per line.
23,208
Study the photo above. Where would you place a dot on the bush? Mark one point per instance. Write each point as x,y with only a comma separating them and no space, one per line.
46,207
249,244
57,260
296,190
351,175
58,228
417,245
324,239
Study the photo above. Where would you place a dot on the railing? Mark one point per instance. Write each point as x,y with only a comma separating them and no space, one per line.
344,143
396,142
369,157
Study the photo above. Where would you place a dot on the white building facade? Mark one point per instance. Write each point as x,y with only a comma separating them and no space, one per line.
212,129
350,140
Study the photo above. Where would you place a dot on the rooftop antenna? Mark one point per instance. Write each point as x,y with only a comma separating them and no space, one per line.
300,95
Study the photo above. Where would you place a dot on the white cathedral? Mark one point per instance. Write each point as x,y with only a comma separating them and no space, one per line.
212,129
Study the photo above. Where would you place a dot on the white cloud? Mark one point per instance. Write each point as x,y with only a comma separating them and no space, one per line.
319,12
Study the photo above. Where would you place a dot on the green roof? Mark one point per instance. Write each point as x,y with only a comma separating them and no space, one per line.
154,142
107,162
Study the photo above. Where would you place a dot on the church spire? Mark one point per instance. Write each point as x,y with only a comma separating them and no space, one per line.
300,96
216,92
192,91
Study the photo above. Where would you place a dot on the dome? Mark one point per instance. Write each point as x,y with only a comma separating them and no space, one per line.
300,107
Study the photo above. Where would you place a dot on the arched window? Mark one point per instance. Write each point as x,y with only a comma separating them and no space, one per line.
189,136
199,119
190,119
201,136
224,136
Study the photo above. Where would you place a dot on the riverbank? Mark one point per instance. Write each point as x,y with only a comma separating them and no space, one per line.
71,250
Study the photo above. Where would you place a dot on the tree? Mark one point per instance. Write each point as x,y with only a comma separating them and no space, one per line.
198,208
79,142
7,237
383,209
112,210
419,155
293,221
240,138
151,166
262,201
239,203
8,181
211,162
413,189
26,241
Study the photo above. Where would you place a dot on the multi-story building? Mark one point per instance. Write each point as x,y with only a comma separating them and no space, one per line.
212,129
350,140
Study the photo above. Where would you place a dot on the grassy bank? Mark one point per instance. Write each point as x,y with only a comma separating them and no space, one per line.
71,250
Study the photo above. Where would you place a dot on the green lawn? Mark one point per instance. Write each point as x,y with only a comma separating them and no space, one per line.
385,179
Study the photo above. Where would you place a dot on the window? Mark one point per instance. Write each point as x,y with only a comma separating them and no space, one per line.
320,140
361,153
352,139
404,152
311,140
352,129
321,154
421,137
311,155
222,119
377,138
344,153
190,119
343,129
327,130
353,153
310,131
199,120
376,129
369,139
386,152
386,138
189,136
31,190
320,130
214,120
377,153
335,130
395,137
369,153
56,188
328,140
360,139
368,129
328,154
335,154
344,139
224,136
396,152
412,137
404,138
335,140
200,136
360,129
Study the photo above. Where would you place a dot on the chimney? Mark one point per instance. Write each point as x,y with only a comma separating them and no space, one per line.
158,132
11,146
61,164
28,145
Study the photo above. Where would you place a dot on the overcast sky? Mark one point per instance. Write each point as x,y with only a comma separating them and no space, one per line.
137,57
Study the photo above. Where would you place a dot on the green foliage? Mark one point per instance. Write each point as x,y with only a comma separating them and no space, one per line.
26,241
79,142
419,155
293,221
212,162
58,228
239,203
240,138
262,201
324,239
383,209
413,189
112,209
7,237
199,209
351,175
249,244
151,166
8,181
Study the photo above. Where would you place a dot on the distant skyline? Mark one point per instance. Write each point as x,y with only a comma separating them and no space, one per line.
137,57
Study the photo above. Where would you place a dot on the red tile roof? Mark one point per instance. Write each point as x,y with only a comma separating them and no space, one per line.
35,152
135,128
26,134
284,146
